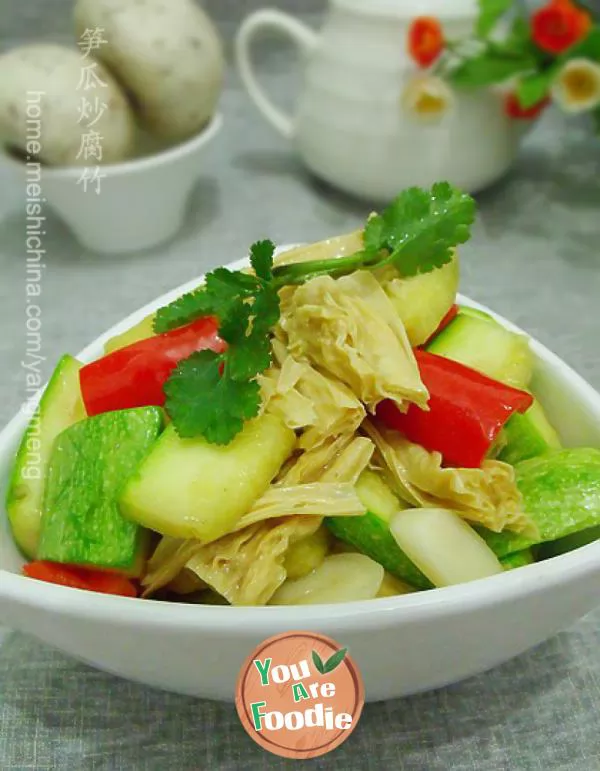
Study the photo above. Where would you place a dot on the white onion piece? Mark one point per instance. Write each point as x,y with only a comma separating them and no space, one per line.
443,546
340,578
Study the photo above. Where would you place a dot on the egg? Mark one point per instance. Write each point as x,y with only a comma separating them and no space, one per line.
62,107
166,53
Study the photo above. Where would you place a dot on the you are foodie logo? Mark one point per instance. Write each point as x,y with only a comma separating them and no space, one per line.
299,695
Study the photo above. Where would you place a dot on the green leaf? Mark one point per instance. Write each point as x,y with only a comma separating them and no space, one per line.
490,13
490,68
533,88
234,321
318,662
212,395
232,293
250,356
334,661
261,259
203,402
374,233
519,36
226,286
265,308
248,332
588,48
184,310
420,229
518,43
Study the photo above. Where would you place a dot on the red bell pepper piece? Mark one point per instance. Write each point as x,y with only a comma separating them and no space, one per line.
106,582
81,578
450,316
466,411
134,376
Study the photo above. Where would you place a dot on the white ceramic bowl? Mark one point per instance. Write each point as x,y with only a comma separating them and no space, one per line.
401,644
140,203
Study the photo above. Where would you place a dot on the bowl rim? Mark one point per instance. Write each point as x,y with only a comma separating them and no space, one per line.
376,613
135,165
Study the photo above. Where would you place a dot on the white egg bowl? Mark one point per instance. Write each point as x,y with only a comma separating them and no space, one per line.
402,644
137,204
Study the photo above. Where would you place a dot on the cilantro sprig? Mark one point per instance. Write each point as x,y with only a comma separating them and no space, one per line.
211,394
415,234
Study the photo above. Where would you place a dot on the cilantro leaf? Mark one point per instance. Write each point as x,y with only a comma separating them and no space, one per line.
202,401
374,233
234,322
417,233
249,357
227,287
250,353
232,292
261,259
420,229
490,13
210,394
184,310
266,308
222,289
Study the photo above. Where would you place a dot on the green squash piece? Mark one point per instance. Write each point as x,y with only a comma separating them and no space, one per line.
518,560
528,435
370,533
60,406
90,463
569,543
480,342
190,488
561,493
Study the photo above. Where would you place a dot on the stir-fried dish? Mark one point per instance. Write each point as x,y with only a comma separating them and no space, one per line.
326,425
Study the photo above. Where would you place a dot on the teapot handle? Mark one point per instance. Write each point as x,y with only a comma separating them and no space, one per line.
300,34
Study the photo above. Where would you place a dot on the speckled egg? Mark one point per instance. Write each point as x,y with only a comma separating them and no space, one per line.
166,53
63,108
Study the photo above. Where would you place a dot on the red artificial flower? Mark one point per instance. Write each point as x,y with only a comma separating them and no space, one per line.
559,25
425,40
513,108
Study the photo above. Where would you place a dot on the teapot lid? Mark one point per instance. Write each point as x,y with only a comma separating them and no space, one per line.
442,8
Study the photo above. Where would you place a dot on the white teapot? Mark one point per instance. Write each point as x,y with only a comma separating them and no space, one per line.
354,126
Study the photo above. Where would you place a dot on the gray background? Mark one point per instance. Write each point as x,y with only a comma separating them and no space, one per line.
534,257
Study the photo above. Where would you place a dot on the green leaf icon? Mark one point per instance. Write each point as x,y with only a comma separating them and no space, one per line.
317,661
334,661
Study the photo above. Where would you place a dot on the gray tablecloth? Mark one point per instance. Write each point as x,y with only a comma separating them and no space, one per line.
534,258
